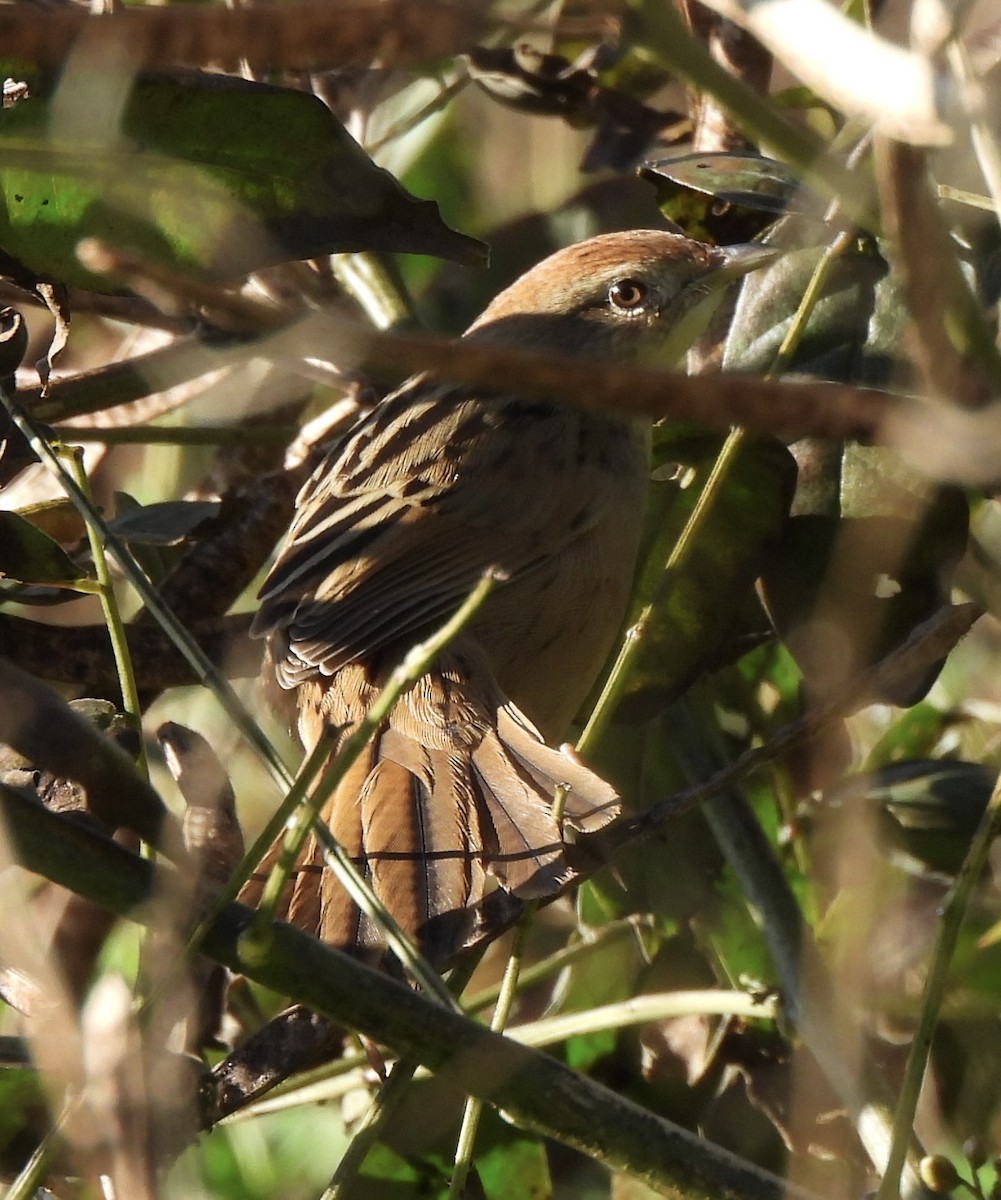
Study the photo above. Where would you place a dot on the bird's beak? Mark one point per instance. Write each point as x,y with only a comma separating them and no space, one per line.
738,260
699,300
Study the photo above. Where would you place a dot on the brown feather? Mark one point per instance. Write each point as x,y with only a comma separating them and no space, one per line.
528,855
335,917
591,803
419,854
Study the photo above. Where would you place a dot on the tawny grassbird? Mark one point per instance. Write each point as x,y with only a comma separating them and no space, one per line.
391,534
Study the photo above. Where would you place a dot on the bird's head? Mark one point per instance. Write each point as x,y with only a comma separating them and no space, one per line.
643,295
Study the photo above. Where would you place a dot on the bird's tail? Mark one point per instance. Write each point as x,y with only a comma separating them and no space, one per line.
432,809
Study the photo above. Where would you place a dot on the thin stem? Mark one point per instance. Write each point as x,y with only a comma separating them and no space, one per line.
307,773
385,1103
112,615
945,191
364,278
950,924
204,669
473,1109
642,1010
32,1174
371,1125
557,961
443,96
808,302
618,677
257,935
183,435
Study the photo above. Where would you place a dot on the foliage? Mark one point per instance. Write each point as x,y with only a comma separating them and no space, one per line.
798,927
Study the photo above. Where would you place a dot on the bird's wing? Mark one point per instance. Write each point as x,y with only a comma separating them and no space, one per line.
395,530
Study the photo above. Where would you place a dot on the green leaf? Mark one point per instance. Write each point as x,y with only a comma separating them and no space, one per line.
745,179
154,554
163,524
30,556
397,1177
728,926
288,1154
713,584
205,173
508,1162
916,733
837,342
605,976
867,556
511,1162
24,1114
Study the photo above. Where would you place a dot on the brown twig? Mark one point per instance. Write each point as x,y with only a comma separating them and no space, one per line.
130,381
788,408
300,36
132,310
919,244
743,56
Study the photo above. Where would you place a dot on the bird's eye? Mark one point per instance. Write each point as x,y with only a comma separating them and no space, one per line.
627,294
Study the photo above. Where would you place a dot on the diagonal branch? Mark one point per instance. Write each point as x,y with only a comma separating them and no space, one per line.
536,1090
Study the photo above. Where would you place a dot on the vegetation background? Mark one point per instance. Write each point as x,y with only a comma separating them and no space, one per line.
794,952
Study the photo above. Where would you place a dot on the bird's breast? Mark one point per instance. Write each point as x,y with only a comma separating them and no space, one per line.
550,630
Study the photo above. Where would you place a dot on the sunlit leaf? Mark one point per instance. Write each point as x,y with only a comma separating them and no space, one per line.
728,926
30,556
200,172
511,1162
602,977
744,179
915,734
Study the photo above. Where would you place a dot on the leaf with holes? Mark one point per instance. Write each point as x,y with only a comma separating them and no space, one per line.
724,197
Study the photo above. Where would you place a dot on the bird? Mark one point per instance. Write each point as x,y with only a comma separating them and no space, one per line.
437,484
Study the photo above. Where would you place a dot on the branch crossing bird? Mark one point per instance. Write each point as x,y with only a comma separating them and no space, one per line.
392,532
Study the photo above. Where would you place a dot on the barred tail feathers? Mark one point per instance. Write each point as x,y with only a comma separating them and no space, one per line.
426,823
